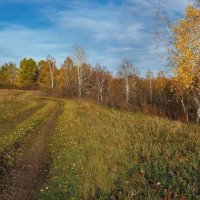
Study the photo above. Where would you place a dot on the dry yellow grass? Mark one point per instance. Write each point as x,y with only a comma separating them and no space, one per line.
99,153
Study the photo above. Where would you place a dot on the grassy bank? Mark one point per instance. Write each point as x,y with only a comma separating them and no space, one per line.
99,153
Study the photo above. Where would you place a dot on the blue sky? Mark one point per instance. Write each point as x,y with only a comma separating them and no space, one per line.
110,30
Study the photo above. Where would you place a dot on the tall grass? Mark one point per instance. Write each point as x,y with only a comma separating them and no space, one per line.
99,153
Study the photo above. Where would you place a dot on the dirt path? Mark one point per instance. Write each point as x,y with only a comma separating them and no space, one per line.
24,180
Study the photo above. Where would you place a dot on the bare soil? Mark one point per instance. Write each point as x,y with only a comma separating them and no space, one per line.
24,180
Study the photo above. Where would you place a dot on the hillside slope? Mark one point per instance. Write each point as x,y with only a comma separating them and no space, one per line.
98,153
92,152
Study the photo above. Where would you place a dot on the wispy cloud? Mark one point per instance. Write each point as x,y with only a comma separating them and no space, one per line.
110,30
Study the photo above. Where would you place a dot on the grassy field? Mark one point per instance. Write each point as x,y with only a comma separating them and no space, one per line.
100,153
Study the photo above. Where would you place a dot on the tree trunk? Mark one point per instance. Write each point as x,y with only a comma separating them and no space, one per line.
101,94
198,115
79,82
185,109
151,92
127,89
52,81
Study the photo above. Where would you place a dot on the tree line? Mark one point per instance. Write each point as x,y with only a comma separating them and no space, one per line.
176,97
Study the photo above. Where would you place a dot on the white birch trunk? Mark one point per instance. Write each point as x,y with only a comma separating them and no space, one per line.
184,109
127,89
151,91
198,115
79,82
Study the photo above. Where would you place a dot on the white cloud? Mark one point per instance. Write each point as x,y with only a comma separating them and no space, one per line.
110,32
18,42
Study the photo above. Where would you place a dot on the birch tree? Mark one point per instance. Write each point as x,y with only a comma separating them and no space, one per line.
79,55
52,67
187,55
149,77
127,71
100,81
181,44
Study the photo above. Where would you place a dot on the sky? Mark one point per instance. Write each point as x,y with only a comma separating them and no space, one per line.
110,30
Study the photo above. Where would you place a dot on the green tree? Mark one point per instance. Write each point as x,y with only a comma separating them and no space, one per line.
28,73
8,73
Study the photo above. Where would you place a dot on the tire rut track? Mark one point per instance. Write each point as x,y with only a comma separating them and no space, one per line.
24,180
10,124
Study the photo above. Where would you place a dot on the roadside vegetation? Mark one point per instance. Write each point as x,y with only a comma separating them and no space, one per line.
98,153
102,153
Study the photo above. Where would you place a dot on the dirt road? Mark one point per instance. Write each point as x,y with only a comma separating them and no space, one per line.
24,180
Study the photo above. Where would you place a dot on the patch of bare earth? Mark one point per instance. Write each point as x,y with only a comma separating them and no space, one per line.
24,180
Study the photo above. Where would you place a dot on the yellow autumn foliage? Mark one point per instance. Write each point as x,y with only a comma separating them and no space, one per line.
187,45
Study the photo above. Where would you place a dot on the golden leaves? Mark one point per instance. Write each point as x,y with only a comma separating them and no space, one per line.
187,45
